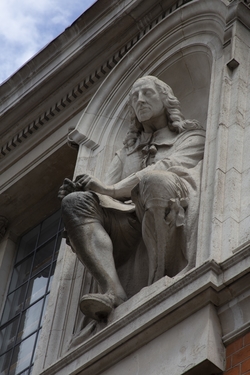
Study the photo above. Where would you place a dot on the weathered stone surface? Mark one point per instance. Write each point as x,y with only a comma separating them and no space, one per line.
3,226
189,46
159,168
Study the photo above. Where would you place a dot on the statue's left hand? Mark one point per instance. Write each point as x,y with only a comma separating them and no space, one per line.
86,182
67,187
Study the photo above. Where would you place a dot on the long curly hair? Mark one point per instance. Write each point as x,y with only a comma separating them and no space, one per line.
175,119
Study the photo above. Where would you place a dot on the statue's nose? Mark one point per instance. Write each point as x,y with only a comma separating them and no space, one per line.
141,97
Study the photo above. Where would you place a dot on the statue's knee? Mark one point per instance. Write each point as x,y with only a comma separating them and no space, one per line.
68,204
154,182
69,199
76,201
155,178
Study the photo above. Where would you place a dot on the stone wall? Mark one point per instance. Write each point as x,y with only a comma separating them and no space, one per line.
79,91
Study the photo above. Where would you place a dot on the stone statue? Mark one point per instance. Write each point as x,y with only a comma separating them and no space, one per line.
145,214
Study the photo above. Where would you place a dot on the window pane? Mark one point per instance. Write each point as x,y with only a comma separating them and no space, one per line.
34,354
14,303
49,227
30,320
26,372
28,243
43,257
5,362
8,335
22,355
21,273
28,296
37,287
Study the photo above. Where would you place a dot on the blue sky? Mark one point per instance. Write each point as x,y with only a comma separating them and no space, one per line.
26,26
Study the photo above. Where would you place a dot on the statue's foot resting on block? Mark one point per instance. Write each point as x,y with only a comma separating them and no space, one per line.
99,306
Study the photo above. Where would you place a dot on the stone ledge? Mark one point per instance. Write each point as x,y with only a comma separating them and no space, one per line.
154,311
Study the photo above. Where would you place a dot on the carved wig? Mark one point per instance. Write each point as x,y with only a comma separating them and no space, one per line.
176,121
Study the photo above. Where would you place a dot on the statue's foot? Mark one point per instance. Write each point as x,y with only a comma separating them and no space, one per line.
98,306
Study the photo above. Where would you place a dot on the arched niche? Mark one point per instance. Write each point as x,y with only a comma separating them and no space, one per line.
189,75
180,50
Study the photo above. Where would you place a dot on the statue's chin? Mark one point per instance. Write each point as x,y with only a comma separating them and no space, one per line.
144,115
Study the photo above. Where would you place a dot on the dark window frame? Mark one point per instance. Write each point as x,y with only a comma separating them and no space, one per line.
45,265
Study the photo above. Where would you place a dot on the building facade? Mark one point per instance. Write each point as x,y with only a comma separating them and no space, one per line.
65,113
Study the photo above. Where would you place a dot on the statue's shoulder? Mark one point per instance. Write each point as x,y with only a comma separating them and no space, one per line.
191,133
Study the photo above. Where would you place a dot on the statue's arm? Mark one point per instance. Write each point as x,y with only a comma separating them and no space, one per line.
187,153
115,170
121,190
112,187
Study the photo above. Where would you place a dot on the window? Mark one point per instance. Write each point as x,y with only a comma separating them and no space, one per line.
27,296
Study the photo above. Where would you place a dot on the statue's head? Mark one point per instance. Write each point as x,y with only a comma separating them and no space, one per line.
145,99
166,100
158,97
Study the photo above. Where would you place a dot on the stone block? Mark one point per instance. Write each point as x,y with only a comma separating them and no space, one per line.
214,241
192,345
232,195
245,201
219,195
229,240
235,317
244,230
245,156
235,147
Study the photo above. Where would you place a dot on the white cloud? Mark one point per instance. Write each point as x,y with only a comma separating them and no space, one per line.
26,26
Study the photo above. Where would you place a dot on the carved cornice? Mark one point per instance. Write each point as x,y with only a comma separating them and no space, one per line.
46,116
238,9
84,85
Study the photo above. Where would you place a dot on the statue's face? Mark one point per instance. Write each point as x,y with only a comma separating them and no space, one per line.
146,100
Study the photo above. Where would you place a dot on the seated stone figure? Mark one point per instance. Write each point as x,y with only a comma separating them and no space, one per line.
159,171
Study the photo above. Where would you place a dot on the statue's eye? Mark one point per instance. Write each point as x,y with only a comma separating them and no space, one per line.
148,93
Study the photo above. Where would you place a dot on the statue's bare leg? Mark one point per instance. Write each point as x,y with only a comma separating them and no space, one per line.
94,248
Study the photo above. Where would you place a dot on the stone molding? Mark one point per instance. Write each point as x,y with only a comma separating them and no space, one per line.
237,10
157,309
98,113
233,314
59,106
79,89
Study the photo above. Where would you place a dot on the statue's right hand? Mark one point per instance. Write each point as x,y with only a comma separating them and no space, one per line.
67,187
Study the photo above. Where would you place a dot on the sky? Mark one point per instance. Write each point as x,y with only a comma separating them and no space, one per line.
26,26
